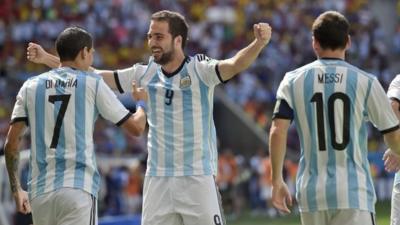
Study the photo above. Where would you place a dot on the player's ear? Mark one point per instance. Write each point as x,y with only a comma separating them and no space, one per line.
178,41
83,54
315,44
348,44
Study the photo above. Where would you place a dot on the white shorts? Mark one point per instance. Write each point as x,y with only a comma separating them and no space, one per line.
338,217
183,200
395,211
65,206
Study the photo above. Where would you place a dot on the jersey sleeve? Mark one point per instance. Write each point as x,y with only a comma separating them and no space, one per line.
125,77
109,106
394,89
283,106
207,70
20,112
380,112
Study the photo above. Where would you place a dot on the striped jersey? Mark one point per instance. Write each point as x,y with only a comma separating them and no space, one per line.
182,137
394,93
331,101
61,107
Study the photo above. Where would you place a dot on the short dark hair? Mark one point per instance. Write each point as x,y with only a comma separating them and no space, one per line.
176,22
331,30
71,41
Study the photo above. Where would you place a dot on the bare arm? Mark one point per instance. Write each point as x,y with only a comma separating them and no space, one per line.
392,139
391,159
36,54
228,68
12,160
281,196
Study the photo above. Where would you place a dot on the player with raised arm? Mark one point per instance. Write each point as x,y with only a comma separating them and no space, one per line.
179,186
60,107
330,101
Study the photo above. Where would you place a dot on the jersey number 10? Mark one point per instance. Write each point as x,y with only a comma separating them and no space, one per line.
319,101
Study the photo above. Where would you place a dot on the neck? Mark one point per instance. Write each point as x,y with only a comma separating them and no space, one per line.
339,54
175,63
74,65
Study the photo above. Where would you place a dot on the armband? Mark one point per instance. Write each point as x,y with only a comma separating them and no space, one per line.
142,104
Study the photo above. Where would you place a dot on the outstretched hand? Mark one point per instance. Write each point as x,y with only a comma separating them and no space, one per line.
392,161
35,53
138,93
262,32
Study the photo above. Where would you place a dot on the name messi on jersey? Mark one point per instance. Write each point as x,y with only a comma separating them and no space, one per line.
61,83
328,78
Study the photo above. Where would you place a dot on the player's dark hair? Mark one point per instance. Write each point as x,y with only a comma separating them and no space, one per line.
71,41
176,22
331,30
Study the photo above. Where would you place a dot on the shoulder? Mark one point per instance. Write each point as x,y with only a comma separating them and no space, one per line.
360,72
396,80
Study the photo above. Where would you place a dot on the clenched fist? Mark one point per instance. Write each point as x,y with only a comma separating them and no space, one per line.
262,32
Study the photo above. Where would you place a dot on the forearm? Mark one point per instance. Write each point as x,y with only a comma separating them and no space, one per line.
136,124
52,61
241,61
277,149
12,161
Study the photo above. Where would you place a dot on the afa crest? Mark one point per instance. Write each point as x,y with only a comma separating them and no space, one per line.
185,82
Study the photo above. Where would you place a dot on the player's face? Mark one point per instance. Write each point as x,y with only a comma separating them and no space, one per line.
160,42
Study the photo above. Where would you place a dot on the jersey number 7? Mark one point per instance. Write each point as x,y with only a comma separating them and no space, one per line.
61,113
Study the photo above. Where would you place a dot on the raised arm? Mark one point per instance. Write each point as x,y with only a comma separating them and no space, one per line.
36,54
228,68
12,160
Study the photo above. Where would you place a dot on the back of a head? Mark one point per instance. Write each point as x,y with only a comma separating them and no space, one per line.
331,30
177,23
71,41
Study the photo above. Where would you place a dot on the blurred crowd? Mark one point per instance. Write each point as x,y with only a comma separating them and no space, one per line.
218,28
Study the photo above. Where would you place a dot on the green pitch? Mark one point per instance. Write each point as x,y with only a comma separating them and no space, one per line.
382,218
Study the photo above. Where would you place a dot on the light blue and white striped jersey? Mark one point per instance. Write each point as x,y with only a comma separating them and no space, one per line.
394,92
331,102
182,136
61,107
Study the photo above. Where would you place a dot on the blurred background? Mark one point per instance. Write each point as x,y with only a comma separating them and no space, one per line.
243,106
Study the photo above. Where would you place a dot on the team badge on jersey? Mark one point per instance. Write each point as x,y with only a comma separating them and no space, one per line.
185,82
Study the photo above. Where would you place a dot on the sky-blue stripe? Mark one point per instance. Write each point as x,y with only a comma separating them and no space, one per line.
30,155
352,179
60,149
169,131
313,164
331,179
143,75
302,161
205,109
40,96
80,131
188,130
96,175
364,147
153,122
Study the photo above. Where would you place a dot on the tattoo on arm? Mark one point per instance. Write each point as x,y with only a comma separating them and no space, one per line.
12,161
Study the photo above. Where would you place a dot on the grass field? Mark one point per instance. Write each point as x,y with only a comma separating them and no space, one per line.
382,218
